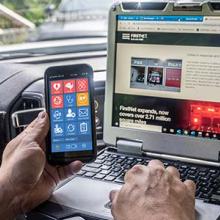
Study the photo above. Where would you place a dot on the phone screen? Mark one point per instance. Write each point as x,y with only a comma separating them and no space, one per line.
71,114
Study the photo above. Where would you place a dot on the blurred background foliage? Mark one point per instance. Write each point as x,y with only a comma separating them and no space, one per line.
33,10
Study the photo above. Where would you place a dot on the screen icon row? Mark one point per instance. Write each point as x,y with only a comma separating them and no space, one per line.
70,128
70,114
69,86
65,147
74,99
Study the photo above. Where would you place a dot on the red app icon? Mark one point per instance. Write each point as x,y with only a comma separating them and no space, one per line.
57,87
69,86
57,101
82,85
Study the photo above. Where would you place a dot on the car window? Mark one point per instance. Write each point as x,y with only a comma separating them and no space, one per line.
23,21
76,5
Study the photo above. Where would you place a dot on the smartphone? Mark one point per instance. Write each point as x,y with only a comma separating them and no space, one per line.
69,92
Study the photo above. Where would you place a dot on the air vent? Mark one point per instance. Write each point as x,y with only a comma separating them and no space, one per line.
28,103
24,112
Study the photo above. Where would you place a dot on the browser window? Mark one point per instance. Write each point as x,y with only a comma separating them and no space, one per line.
168,75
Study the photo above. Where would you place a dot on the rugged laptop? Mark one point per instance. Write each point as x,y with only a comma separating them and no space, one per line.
162,101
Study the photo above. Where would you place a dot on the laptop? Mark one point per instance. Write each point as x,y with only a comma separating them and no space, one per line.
162,102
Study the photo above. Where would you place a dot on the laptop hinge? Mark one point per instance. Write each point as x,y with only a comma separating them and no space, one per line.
127,146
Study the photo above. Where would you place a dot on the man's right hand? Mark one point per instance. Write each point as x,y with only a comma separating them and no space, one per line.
154,193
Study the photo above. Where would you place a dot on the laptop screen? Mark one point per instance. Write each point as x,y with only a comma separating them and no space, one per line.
167,75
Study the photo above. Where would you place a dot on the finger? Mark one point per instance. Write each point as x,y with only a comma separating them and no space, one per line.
113,195
69,170
156,163
191,186
134,173
173,172
37,131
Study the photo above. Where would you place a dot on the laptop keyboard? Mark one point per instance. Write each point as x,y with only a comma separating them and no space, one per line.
112,167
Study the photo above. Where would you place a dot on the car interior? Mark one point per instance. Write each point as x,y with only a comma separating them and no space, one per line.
22,87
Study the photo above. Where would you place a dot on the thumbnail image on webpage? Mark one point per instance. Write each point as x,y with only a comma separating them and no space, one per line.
156,74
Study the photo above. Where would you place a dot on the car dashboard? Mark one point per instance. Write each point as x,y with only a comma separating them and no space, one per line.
22,89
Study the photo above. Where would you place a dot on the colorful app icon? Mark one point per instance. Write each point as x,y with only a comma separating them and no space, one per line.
57,87
82,99
83,112
84,127
57,101
69,86
71,128
58,129
82,85
70,100
70,114
57,115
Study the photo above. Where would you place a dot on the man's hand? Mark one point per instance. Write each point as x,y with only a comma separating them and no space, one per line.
26,179
154,193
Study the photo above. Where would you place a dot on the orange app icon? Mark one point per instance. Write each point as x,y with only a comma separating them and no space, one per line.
82,99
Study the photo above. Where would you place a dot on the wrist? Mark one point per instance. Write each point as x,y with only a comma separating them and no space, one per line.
9,206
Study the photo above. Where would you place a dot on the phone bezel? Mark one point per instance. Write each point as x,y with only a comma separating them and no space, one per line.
63,73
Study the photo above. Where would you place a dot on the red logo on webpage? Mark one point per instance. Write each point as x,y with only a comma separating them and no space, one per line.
82,85
57,87
69,86
57,101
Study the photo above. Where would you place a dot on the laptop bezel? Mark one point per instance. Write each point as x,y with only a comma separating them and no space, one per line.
199,148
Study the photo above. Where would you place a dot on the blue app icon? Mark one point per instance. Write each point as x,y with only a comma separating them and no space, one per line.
58,147
86,146
84,127
83,112
58,129
71,128
71,147
70,100
57,115
70,114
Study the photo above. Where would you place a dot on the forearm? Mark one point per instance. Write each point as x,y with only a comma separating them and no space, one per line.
7,200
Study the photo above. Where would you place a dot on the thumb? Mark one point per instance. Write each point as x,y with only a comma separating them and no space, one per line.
113,195
37,130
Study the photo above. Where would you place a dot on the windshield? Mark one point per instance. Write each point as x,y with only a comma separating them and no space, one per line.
25,21
76,5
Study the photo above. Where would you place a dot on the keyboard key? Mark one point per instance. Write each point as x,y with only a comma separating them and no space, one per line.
94,165
99,176
119,181
81,172
116,174
110,178
102,156
99,161
105,172
89,174
184,167
205,189
116,169
91,169
105,167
